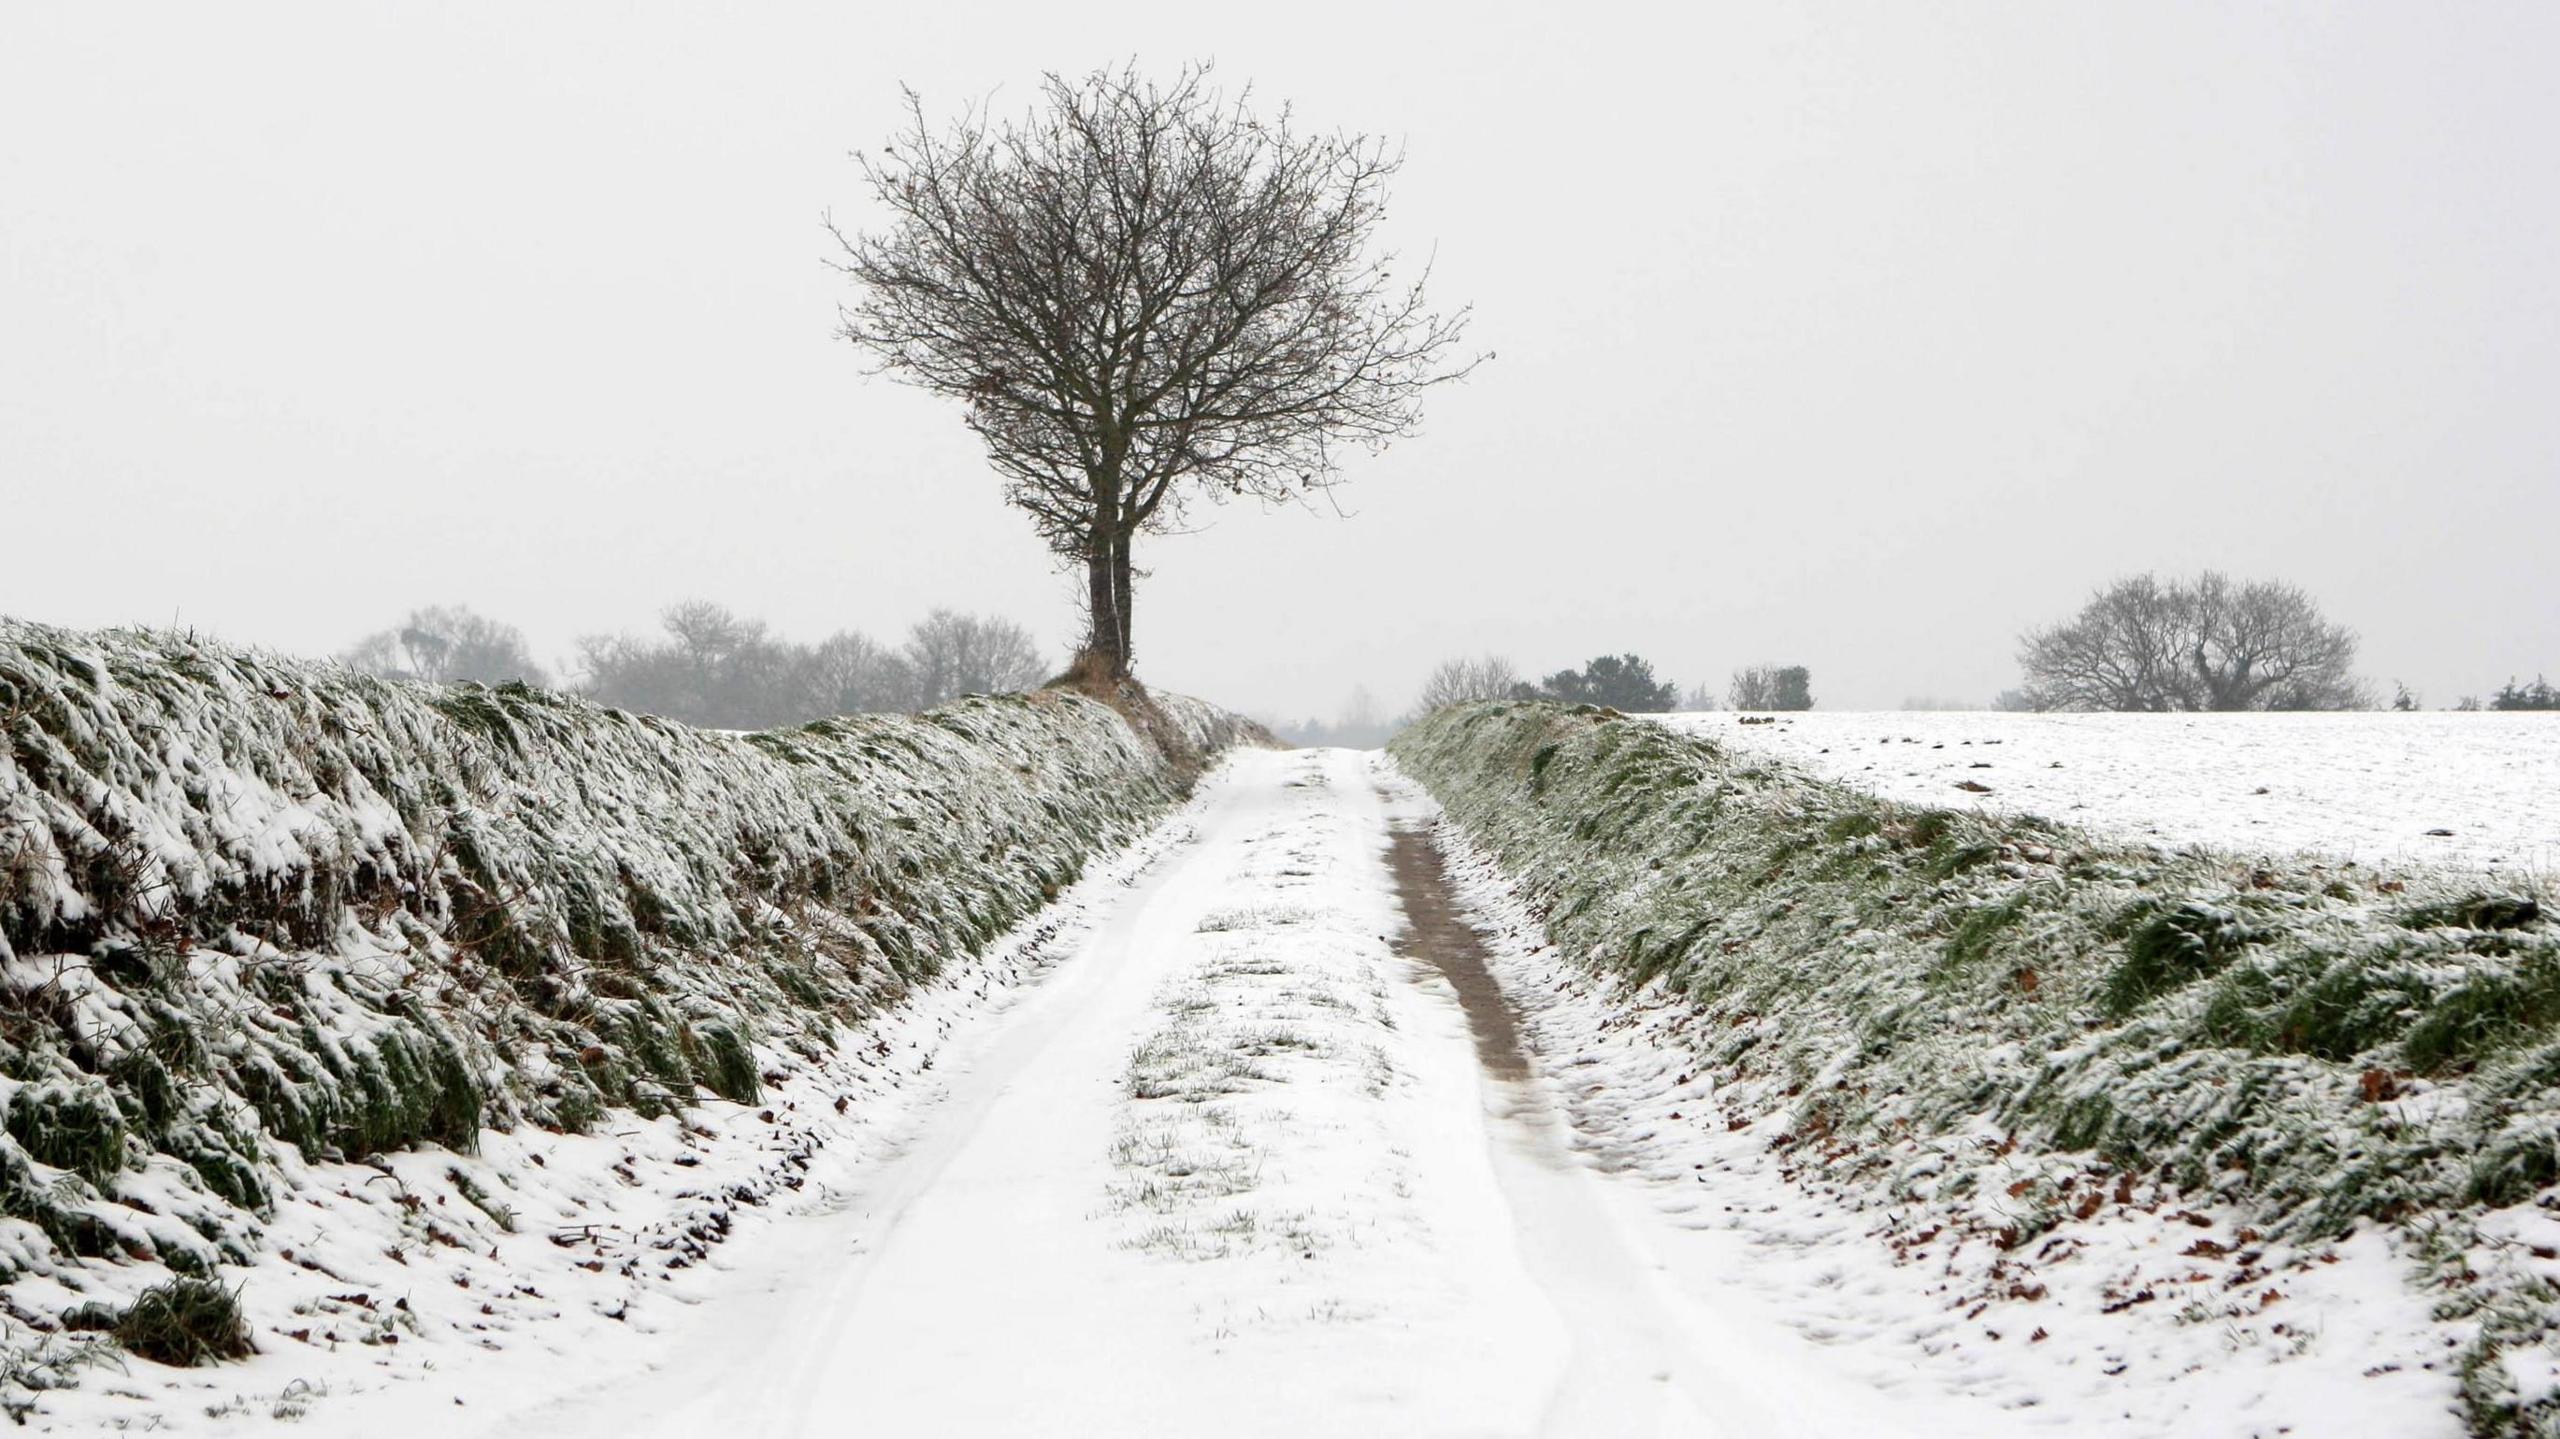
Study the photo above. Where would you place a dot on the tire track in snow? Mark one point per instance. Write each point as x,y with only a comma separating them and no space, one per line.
1642,1361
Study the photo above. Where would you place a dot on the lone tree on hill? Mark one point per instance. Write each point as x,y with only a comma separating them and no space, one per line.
1143,291
2210,644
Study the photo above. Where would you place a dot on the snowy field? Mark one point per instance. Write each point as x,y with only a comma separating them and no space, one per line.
2370,787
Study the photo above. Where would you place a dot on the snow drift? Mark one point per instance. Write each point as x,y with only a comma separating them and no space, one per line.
1928,995
248,902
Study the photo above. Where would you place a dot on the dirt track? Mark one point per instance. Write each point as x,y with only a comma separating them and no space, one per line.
1450,945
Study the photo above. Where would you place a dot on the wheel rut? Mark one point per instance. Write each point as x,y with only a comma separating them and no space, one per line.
1440,937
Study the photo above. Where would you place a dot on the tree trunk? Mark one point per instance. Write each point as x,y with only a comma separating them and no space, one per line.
1106,643
1107,603
1120,595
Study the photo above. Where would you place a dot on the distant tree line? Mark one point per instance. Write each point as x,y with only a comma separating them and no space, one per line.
709,666
2148,643
1360,725
2539,695
1623,682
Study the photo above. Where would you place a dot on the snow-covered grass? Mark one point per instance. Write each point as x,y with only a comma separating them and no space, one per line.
2007,1026
2373,787
2154,1314
414,1292
261,920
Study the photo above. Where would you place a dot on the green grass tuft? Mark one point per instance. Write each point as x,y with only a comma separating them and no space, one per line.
187,1323
74,1126
2172,945
2475,911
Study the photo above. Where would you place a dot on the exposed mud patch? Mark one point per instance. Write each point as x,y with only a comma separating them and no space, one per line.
1437,935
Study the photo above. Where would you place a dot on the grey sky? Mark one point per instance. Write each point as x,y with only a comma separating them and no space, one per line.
1852,336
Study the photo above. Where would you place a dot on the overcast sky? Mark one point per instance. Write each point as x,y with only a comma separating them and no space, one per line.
1851,336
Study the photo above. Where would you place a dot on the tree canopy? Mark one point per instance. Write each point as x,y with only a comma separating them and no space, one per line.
2211,643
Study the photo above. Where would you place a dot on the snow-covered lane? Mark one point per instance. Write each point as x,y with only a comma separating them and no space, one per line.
1018,1270
1233,1168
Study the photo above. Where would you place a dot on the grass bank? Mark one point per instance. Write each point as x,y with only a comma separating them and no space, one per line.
248,902
1926,991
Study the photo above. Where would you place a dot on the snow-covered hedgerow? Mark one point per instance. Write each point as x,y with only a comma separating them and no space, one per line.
248,902
1924,993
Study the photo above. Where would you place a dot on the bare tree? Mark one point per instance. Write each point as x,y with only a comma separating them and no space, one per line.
851,673
2119,653
447,644
2209,644
1461,681
1140,291
1771,687
949,654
